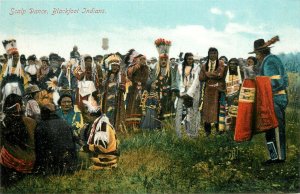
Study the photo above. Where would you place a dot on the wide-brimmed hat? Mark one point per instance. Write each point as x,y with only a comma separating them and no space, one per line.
260,44
32,89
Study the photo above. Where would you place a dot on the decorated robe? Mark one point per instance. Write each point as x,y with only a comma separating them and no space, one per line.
88,84
13,83
166,87
102,143
151,107
214,84
113,104
190,86
138,75
233,84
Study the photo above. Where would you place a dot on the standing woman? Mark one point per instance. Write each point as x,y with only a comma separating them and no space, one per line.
189,87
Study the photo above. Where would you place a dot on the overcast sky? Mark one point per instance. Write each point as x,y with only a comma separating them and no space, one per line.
192,26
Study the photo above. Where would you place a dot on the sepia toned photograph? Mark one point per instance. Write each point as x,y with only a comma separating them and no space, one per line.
149,96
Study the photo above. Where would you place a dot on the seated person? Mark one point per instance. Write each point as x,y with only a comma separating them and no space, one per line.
70,113
55,145
32,109
102,143
17,155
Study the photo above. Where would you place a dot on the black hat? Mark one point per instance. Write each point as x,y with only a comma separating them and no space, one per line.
259,45
31,57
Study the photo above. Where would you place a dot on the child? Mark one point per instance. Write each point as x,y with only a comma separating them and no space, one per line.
151,107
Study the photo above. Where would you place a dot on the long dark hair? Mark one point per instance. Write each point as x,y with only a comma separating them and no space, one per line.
256,64
184,64
253,59
13,127
211,49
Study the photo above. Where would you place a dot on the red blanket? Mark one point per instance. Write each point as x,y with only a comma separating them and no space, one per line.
244,120
9,161
265,113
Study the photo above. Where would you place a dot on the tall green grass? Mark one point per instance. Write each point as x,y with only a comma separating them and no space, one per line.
159,162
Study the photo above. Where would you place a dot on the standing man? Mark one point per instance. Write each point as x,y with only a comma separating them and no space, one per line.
272,67
165,78
88,81
113,104
213,74
137,73
75,54
12,77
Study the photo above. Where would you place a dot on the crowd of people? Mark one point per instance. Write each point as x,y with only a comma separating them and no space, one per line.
52,107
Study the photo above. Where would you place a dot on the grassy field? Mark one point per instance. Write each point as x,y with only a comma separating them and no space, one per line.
159,162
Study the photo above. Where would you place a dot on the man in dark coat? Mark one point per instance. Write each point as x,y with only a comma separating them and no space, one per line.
74,53
55,145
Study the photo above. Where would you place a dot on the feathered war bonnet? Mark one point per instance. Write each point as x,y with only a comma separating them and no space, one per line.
131,56
163,47
11,48
112,59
